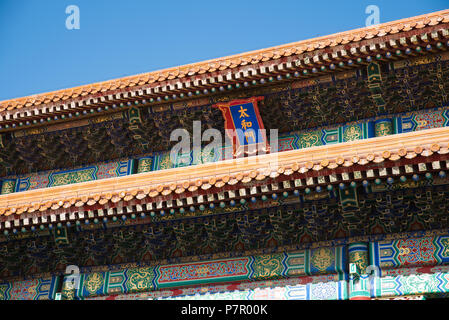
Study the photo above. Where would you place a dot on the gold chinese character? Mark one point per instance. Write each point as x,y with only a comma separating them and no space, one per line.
243,112
250,134
246,124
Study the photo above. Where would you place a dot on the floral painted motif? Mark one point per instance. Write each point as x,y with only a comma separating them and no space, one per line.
429,120
76,176
383,128
322,258
310,139
139,279
360,258
203,271
8,186
286,144
268,266
323,291
145,165
352,132
24,290
165,162
236,295
93,282
416,251
415,284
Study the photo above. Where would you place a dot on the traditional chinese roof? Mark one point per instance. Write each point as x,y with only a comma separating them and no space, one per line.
178,183
309,56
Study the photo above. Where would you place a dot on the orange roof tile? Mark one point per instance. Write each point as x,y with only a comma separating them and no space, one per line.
233,61
218,174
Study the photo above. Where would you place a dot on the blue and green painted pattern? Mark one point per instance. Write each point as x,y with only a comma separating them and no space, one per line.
358,254
422,120
370,128
431,277
311,291
425,251
8,186
34,289
400,123
427,283
72,176
254,268
63,177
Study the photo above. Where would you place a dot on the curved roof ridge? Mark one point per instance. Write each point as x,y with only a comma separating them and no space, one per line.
226,61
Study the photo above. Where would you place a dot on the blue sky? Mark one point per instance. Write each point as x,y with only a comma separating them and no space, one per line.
39,54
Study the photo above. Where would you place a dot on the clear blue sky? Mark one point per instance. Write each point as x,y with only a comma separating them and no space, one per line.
115,39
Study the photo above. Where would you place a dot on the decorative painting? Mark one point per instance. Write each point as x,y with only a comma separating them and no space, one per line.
244,125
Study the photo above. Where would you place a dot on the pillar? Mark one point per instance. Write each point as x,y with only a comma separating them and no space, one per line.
359,282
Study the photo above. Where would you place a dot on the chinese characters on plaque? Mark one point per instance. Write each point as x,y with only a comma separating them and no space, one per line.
244,125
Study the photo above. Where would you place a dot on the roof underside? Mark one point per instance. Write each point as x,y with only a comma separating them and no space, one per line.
181,182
